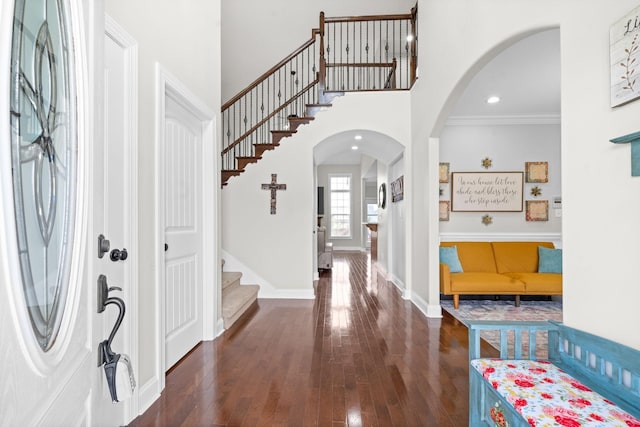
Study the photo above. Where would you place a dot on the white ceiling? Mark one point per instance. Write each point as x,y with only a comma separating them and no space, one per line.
526,77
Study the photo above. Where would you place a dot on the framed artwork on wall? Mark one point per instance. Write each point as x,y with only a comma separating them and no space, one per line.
444,210
397,190
624,50
536,171
444,172
486,191
537,210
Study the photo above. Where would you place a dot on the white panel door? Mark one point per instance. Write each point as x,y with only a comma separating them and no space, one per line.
183,231
52,388
113,178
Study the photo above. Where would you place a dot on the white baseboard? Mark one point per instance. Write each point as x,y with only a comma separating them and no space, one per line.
398,283
219,328
432,311
147,395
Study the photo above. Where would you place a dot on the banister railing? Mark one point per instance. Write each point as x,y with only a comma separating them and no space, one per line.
359,53
249,117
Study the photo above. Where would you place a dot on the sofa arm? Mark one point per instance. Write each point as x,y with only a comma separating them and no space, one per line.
445,279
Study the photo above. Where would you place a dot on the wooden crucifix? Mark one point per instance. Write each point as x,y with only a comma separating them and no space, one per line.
274,186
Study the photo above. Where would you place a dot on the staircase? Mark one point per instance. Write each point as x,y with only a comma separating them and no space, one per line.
237,299
344,54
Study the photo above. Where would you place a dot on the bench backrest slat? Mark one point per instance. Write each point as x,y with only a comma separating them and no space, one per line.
610,368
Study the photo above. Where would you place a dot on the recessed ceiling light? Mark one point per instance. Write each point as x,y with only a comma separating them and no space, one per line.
493,100
357,137
354,147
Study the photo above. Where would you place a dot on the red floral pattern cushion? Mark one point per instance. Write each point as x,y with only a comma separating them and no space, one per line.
547,396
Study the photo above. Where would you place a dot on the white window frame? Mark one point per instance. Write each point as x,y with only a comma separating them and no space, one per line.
350,191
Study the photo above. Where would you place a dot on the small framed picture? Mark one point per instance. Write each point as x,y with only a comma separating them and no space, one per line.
444,172
537,210
444,210
536,171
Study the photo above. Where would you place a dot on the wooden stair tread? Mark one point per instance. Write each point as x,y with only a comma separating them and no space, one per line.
301,119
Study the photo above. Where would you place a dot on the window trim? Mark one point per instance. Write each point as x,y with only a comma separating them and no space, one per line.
350,191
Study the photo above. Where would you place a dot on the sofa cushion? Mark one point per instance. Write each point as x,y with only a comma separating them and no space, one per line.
545,395
485,283
449,256
517,257
475,256
539,284
550,260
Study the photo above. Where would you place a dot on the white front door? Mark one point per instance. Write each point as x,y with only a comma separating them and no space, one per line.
114,218
183,148
57,381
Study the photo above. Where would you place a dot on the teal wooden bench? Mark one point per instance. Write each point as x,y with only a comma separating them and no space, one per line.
585,380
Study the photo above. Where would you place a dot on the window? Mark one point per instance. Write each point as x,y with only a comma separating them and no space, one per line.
340,206
372,212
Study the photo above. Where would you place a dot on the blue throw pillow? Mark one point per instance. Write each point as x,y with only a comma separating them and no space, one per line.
449,256
549,260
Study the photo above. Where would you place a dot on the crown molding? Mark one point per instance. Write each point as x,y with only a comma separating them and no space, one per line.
524,119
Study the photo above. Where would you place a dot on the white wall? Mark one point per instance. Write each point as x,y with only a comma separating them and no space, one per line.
600,284
276,29
324,171
177,35
279,247
509,147
397,231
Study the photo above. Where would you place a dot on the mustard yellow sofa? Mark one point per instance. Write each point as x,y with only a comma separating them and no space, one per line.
498,268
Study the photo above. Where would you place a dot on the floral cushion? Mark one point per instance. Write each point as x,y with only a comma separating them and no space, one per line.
547,396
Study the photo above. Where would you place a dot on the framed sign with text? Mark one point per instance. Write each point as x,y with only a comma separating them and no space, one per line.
487,191
624,40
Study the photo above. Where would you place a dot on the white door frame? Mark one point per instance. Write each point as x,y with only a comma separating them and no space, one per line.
129,47
166,85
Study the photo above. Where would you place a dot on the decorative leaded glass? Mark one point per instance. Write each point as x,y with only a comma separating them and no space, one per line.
44,159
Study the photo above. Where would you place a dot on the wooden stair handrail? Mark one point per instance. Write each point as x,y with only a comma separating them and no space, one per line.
397,17
271,70
266,119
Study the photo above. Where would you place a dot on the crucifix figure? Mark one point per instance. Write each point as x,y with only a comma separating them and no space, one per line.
274,186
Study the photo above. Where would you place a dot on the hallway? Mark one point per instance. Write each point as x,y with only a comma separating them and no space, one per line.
357,355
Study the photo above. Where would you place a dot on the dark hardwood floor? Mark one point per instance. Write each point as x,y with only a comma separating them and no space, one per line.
357,355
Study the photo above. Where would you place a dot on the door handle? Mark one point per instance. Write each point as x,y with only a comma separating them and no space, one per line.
103,246
119,255
166,247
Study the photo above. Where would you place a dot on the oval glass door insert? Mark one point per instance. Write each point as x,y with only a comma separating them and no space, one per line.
44,159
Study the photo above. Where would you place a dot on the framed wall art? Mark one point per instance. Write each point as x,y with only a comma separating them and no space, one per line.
624,50
444,172
397,190
536,171
537,210
487,191
444,210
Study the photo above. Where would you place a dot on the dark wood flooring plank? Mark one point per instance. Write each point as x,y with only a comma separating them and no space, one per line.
357,355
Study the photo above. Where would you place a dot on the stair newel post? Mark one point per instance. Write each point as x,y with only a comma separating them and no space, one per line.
323,66
414,32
